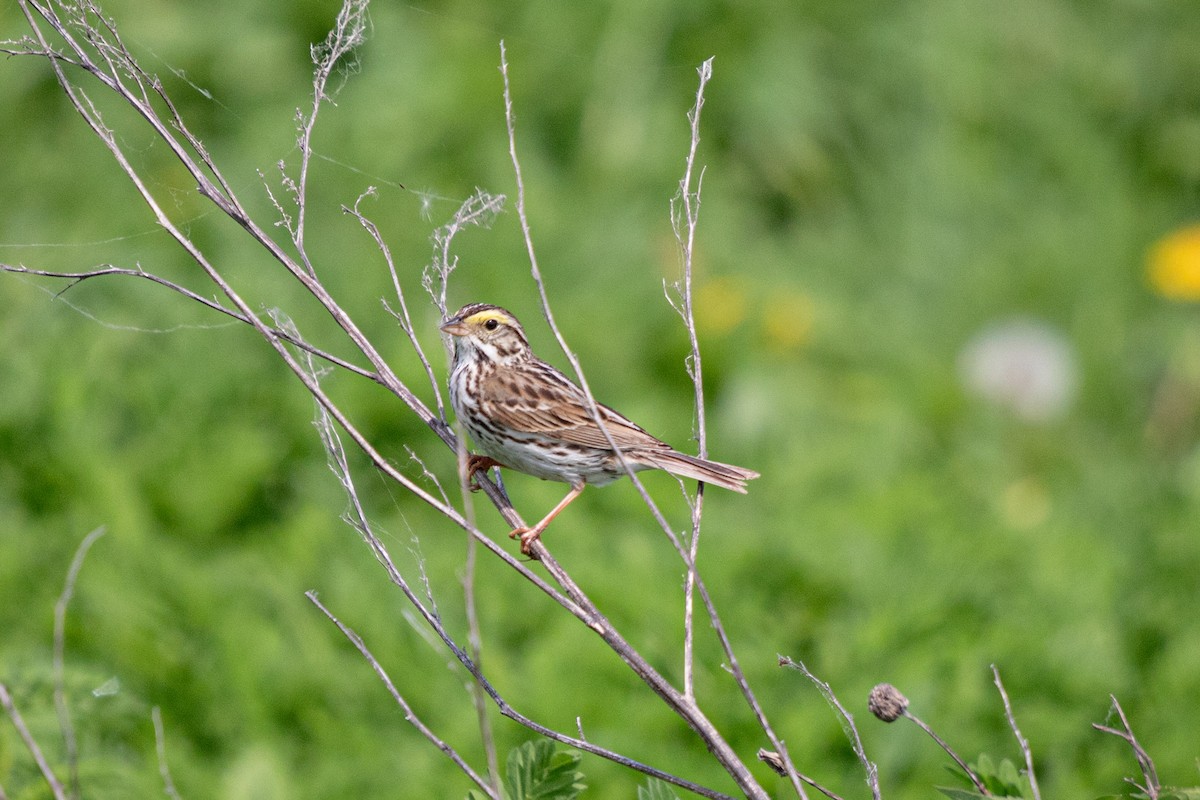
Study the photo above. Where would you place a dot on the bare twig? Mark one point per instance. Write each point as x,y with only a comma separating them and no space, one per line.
402,316
160,749
349,31
477,210
18,722
409,714
970,773
690,217
851,730
1150,786
60,636
1021,740
106,270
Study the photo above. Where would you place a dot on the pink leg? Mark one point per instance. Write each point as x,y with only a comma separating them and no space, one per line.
530,535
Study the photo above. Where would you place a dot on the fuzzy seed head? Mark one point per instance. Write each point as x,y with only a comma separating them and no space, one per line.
887,703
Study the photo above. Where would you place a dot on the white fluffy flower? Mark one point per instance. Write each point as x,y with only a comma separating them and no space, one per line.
1023,365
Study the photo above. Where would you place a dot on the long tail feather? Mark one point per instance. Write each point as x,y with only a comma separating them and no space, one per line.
726,476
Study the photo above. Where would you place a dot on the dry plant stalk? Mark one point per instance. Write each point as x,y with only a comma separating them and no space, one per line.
79,42
1150,785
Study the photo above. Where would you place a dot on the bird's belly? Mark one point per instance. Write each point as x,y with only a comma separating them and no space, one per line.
548,460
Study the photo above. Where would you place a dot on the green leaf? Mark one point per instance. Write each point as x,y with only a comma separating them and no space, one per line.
536,771
1003,779
656,789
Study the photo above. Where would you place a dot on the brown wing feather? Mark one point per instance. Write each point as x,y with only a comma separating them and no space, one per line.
548,403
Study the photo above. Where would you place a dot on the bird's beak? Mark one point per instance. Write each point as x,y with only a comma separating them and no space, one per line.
454,327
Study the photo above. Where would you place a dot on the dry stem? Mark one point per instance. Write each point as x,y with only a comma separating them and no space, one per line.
1150,786
18,722
1021,740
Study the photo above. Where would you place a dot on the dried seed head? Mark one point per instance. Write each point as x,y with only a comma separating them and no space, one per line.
772,760
886,702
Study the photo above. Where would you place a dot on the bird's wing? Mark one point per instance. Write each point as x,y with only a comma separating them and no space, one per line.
536,398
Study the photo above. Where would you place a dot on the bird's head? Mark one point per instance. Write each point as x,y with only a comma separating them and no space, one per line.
490,331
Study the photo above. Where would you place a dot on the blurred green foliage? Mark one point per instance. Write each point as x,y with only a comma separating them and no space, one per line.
882,182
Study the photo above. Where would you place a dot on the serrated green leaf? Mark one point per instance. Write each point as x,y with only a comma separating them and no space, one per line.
536,771
656,789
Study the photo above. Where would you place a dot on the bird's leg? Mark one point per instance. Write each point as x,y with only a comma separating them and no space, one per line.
530,535
478,463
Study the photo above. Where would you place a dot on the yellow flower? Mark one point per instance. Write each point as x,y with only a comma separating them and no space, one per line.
1174,265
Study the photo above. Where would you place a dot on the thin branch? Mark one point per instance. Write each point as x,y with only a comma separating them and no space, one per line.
475,642
18,722
402,317
60,636
851,730
1021,740
160,749
200,168
409,714
1151,787
691,214
349,31
106,270
477,210
970,773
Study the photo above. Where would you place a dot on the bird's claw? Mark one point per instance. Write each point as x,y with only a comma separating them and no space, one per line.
527,536
478,463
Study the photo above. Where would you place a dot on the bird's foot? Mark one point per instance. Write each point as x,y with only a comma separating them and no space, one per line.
478,463
527,536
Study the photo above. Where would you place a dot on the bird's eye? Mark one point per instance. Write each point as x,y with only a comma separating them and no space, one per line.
491,324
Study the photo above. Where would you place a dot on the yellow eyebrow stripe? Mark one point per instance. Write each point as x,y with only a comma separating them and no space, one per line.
480,317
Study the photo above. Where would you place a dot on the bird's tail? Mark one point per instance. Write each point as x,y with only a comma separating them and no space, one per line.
726,476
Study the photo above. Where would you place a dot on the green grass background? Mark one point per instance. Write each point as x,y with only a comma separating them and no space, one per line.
883,180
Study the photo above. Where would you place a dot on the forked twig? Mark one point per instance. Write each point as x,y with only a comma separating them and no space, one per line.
1151,787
